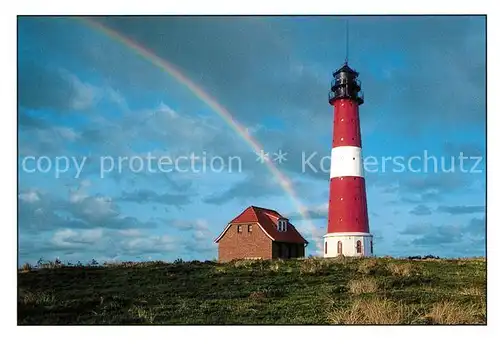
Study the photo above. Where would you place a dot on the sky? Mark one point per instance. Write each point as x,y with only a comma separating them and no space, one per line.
96,115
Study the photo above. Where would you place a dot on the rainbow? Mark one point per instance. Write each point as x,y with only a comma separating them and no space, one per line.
171,70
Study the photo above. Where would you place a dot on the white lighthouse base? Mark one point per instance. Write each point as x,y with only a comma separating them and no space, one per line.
347,244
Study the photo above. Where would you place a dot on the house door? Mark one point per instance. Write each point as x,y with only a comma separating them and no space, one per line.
285,252
339,247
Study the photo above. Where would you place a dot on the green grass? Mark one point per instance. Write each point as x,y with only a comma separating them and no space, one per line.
304,291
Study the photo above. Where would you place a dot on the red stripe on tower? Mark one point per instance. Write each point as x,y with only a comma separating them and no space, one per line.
348,229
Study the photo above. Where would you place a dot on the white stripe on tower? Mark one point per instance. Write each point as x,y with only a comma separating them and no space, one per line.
346,161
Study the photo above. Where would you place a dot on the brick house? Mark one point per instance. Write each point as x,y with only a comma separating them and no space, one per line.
259,233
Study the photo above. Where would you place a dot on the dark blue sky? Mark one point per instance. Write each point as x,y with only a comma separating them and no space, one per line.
83,94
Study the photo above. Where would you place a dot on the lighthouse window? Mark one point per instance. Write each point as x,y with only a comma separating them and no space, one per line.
371,246
326,247
358,246
341,139
239,228
249,228
339,247
342,120
353,158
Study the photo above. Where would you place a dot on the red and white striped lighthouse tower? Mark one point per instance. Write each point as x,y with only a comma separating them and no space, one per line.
348,230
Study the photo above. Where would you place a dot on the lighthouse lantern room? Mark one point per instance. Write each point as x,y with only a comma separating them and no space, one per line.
348,231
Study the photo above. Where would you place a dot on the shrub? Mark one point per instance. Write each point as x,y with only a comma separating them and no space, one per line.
367,266
145,314
310,266
220,269
38,298
26,267
404,269
430,256
275,265
257,295
267,292
369,311
473,291
245,262
447,312
362,286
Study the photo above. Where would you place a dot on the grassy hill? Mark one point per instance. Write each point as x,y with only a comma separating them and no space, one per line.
304,291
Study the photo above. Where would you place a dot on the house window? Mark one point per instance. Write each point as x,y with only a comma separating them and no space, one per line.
326,247
239,228
339,247
358,246
282,225
249,228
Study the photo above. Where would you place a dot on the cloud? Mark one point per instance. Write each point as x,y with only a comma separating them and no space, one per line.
148,245
251,187
317,212
73,245
199,225
461,209
40,139
150,196
42,87
420,210
27,122
425,188
200,244
69,238
29,196
432,235
468,149
82,95
130,232
66,133
49,213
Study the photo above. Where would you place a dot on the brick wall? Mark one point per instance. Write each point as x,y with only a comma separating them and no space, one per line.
234,245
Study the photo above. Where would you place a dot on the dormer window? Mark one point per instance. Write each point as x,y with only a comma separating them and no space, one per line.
282,224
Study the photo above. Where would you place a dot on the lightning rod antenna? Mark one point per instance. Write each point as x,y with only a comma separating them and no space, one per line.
346,41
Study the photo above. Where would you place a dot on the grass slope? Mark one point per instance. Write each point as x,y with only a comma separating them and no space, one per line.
304,291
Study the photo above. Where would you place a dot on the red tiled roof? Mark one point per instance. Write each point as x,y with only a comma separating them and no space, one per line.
268,219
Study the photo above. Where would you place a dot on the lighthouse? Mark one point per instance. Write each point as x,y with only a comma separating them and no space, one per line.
348,231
